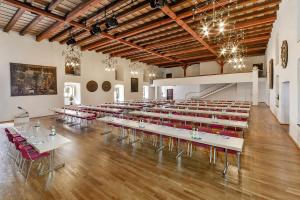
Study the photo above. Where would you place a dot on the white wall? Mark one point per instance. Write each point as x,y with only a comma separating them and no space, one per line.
20,49
287,27
212,67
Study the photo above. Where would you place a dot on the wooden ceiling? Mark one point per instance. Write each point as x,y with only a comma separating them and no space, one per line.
164,37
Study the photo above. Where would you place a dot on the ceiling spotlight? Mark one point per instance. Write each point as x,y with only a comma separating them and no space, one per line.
111,22
95,30
157,3
71,41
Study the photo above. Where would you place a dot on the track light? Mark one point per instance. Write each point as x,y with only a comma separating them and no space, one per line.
111,22
157,3
71,41
95,30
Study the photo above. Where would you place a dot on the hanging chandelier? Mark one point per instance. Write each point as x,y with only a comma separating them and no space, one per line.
216,26
152,72
135,68
72,57
110,64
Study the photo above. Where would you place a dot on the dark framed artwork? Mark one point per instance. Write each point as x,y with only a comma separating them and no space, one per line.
29,80
106,86
92,86
284,54
271,74
134,84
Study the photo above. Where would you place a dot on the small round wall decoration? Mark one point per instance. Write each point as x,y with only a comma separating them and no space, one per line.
92,86
106,86
284,54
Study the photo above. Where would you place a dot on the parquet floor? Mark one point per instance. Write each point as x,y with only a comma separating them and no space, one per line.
98,167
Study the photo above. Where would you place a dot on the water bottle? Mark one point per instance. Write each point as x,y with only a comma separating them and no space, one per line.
53,131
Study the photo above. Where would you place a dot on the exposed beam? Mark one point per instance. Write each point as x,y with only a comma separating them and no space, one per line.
181,23
14,20
33,23
54,4
79,10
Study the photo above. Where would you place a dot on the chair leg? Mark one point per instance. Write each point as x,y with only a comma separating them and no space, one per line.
28,171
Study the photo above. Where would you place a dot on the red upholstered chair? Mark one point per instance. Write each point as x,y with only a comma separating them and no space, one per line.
30,155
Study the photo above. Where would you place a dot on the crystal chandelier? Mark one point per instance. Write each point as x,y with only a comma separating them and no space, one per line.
135,68
110,64
152,72
72,57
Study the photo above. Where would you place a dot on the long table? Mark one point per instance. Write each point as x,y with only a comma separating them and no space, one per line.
101,109
214,140
211,112
121,106
215,104
210,107
73,113
42,142
224,122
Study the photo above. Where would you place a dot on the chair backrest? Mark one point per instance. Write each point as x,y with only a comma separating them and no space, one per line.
167,124
188,127
17,144
10,137
205,129
216,126
229,133
24,152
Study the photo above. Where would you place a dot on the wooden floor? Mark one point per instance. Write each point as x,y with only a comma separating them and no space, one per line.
98,167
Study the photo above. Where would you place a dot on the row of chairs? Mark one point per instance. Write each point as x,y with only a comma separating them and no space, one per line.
212,109
190,146
22,152
227,117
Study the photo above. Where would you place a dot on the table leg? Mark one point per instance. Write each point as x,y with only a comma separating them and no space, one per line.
226,163
52,165
161,145
106,131
239,160
179,150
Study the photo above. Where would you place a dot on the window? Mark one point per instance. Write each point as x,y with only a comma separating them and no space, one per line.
72,93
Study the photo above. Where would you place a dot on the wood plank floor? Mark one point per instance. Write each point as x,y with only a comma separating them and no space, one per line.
98,167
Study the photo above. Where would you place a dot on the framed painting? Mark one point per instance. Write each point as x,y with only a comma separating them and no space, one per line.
134,84
29,80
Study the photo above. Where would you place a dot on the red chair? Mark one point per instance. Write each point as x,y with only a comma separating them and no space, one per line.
30,155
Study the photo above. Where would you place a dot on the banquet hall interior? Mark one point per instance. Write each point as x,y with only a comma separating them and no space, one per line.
149,99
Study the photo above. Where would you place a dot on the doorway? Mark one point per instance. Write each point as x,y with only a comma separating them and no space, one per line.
285,103
145,92
277,91
72,94
169,94
119,93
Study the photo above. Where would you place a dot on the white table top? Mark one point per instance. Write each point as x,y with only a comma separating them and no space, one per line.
231,123
40,139
202,112
72,113
226,142
214,104
209,107
112,110
121,106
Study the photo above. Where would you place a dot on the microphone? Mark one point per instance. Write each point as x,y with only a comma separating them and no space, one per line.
20,108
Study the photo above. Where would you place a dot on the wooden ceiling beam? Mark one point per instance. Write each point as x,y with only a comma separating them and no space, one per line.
124,13
79,10
18,14
31,24
53,4
76,12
